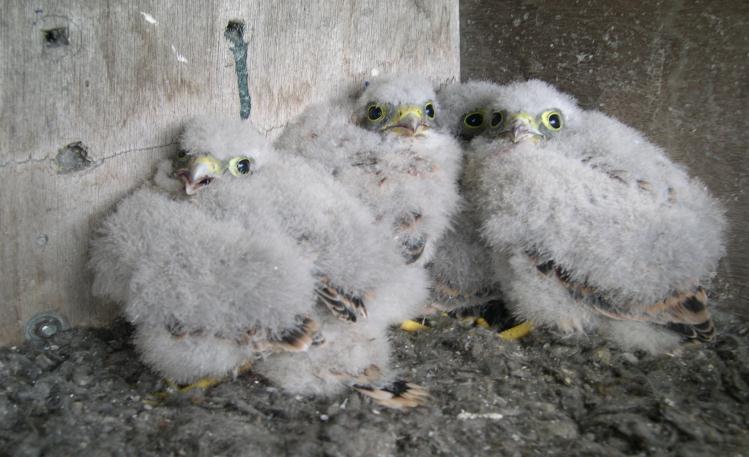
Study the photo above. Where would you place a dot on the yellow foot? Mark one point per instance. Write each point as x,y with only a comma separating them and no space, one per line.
473,321
516,332
203,383
411,325
159,397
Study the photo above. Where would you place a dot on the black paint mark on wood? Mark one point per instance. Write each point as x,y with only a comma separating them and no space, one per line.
57,37
235,34
71,158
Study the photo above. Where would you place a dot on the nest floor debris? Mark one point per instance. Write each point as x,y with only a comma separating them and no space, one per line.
85,392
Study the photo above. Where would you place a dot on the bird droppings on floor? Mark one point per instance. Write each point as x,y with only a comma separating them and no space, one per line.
86,393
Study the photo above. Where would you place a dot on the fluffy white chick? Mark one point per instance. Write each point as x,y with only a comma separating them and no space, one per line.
592,225
466,110
383,146
462,264
362,286
206,296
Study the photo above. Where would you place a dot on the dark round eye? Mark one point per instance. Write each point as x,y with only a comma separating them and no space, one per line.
429,109
181,153
240,165
496,118
474,120
243,166
374,112
555,121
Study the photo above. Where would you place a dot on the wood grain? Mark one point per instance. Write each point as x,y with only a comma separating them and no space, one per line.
122,85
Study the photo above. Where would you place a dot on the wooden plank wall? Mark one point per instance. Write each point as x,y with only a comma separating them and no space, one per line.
92,93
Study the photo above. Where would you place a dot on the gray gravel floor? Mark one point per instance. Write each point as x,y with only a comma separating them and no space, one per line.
86,393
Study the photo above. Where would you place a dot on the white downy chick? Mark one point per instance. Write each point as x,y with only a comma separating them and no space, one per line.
383,145
462,264
362,286
204,294
592,226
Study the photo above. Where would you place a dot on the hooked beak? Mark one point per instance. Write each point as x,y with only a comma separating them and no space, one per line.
523,127
201,171
409,121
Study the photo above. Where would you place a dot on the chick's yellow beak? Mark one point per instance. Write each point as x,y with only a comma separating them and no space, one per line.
522,127
407,121
199,172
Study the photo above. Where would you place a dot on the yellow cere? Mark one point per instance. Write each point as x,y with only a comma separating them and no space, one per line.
406,120
529,120
215,166
405,110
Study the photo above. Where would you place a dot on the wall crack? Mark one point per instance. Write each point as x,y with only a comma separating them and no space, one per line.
96,163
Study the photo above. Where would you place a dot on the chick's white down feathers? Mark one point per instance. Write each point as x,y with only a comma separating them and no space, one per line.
462,264
408,182
178,271
237,265
600,206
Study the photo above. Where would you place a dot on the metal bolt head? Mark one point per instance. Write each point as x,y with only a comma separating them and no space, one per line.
44,326
47,329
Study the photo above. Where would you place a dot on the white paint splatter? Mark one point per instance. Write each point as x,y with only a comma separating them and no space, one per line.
180,57
468,416
150,19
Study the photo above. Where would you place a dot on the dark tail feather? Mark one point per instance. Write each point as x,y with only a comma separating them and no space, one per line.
688,315
704,332
397,395
685,313
298,338
344,306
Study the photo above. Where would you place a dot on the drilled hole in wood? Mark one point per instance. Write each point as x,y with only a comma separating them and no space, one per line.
235,27
72,157
57,37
